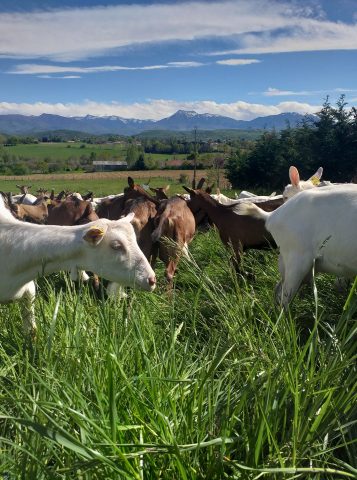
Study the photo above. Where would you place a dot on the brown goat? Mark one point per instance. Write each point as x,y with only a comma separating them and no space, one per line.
175,221
24,188
28,213
241,232
112,208
71,212
143,222
160,192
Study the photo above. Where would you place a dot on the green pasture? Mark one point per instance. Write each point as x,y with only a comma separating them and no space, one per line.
62,151
208,381
100,186
66,150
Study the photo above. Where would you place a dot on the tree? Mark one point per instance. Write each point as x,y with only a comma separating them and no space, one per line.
329,141
132,155
140,163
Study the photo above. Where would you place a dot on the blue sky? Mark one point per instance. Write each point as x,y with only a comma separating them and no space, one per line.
147,59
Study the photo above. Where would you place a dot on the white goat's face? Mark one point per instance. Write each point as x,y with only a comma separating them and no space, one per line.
298,185
291,190
116,256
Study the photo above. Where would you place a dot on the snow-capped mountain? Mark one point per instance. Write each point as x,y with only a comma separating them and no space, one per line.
182,120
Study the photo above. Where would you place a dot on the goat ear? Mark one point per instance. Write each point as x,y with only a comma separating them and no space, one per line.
130,182
167,188
200,183
94,235
189,190
315,179
128,218
294,176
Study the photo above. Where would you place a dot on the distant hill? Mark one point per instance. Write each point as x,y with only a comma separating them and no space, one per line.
180,121
202,135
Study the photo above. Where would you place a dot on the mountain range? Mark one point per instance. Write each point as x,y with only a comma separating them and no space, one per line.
182,120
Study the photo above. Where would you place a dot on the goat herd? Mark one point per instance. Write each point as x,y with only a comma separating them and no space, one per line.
119,237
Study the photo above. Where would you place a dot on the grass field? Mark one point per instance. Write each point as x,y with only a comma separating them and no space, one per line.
210,381
64,150
99,183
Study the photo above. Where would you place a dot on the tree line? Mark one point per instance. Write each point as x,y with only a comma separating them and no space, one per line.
328,140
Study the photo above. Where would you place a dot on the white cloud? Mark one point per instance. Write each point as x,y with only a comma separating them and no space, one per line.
77,33
238,61
185,64
345,90
37,69
275,92
157,108
65,76
306,35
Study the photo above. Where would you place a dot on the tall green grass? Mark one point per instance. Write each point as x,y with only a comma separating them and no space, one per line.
208,381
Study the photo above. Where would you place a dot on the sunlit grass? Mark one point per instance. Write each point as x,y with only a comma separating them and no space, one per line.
209,381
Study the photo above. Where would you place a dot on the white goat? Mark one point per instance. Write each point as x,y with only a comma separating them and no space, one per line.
245,194
27,199
107,248
298,185
98,200
317,228
224,200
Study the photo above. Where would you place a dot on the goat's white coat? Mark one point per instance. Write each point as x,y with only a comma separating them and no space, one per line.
28,251
317,228
28,199
244,194
98,200
224,200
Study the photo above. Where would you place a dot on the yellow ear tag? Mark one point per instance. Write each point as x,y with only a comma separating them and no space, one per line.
49,201
315,180
97,230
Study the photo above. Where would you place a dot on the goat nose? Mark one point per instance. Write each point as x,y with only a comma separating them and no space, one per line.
152,281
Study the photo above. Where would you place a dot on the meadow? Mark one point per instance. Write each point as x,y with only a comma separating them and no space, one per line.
64,150
100,183
208,381
67,150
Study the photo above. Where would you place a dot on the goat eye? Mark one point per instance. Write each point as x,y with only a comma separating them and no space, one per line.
116,245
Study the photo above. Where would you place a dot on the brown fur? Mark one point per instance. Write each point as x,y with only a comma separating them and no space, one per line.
71,212
241,232
143,222
31,213
175,222
113,208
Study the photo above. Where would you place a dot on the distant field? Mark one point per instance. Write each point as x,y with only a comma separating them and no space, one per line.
68,150
64,150
99,183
